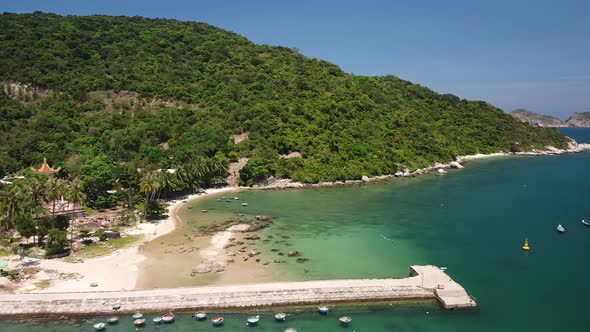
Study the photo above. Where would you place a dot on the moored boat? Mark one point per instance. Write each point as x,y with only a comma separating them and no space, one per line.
244,204
113,320
560,228
99,326
200,315
585,222
290,329
253,320
157,320
345,320
217,321
139,322
323,310
281,316
168,318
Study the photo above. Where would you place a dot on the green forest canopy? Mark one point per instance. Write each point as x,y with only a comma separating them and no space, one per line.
132,92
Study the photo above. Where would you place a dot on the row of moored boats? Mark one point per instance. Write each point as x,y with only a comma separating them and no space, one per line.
139,320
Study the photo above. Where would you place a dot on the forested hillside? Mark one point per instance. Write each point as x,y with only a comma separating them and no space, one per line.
128,92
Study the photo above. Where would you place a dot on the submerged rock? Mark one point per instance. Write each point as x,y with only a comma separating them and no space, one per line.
293,253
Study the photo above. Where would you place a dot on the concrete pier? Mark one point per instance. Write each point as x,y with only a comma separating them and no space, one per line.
425,282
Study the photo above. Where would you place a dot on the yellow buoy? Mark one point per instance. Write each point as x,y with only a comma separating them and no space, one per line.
526,245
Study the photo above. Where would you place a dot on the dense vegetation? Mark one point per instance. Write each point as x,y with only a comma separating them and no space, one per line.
130,92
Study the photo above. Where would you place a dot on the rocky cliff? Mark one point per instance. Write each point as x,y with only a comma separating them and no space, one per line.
581,120
538,120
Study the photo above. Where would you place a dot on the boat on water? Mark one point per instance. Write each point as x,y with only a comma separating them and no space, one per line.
323,310
137,315
168,318
290,329
217,321
253,320
200,315
280,317
585,222
139,322
560,228
99,326
237,198
345,320
244,204
525,246
113,320
157,320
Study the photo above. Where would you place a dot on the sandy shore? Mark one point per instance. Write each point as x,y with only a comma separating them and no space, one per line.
118,271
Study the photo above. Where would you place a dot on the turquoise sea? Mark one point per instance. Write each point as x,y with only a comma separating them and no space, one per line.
472,221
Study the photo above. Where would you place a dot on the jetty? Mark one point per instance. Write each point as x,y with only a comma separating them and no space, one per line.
424,283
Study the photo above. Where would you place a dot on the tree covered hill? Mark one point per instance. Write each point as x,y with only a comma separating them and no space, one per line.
136,92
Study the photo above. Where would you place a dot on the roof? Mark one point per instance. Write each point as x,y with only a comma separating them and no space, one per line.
45,168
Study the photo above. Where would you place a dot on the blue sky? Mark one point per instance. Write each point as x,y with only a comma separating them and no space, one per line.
514,54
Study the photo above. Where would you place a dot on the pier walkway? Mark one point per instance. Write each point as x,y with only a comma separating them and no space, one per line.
425,282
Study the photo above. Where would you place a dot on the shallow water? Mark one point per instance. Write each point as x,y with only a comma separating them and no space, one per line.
473,221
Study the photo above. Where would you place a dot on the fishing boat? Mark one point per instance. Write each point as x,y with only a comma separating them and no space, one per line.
137,315
168,318
525,246
281,316
200,315
113,320
157,320
345,320
217,321
237,198
323,310
253,320
560,228
244,204
290,329
585,222
99,326
139,322
204,211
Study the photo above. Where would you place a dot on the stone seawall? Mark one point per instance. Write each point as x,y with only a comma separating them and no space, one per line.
426,282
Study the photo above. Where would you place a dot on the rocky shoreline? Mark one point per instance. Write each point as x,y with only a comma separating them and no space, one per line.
272,183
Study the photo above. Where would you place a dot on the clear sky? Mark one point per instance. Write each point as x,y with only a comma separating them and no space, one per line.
532,54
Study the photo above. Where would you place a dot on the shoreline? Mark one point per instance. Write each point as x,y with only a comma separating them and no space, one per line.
120,270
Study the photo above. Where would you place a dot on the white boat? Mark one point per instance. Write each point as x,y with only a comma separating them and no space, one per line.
290,329
253,320
99,326
244,204
560,228
200,315
585,222
345,320
281,316
323,310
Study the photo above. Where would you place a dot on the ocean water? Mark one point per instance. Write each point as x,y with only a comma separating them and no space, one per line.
472,221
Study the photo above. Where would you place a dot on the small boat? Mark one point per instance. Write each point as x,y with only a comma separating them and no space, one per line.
204,211
99,326
139,322
290,329
217,321
237,198
137,315
443,268
113,320
168,318
345,320
560,229
157,320
220,200
200,315
228,200
323,310
281,316
585,222
190,207
525,246
244,204
253,320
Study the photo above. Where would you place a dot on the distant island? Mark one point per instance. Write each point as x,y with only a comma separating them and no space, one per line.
579,120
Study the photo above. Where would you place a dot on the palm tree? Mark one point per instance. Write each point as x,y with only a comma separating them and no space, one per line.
74,192
36,192
55,190
13,205
149,184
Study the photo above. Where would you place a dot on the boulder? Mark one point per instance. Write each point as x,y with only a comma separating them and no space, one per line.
365,178
293,253
302,260
252,237
455,164
442,171
253,253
